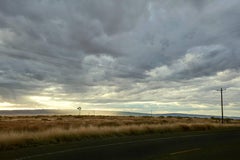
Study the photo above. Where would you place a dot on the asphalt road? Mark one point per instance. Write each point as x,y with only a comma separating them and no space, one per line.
219,145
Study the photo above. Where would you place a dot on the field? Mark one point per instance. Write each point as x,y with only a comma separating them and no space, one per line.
23,131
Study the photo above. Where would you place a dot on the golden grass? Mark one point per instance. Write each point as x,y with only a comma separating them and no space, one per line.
36,130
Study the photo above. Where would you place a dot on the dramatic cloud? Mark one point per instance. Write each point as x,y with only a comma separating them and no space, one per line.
131,55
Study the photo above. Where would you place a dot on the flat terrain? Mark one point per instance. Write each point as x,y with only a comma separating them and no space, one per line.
220,145
117,137
41,122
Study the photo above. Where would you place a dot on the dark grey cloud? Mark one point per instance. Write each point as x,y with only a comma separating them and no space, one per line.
84,25
205,61
118,51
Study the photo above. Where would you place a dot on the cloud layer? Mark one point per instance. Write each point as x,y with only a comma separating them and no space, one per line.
132,55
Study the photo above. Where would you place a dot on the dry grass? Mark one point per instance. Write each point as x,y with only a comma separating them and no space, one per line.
21,131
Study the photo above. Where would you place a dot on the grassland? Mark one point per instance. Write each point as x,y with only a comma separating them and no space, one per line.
23,131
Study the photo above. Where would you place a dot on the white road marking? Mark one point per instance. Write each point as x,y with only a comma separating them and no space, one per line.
185,151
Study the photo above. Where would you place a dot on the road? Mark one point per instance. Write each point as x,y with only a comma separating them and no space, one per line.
220,145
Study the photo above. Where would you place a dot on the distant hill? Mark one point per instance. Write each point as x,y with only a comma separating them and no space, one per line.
97,112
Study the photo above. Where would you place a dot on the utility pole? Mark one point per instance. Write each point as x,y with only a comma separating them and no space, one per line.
221,91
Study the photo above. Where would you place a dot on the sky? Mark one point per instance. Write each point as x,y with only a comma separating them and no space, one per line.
164,56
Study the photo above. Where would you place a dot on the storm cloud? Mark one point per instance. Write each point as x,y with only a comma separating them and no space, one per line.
129,54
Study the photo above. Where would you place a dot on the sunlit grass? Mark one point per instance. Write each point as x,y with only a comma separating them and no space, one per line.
36,130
